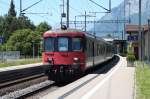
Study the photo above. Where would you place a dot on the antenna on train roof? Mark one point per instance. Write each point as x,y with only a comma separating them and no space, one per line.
64,27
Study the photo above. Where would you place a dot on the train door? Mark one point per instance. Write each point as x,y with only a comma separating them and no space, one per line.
136,50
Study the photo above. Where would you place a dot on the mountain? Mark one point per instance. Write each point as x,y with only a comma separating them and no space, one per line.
117,13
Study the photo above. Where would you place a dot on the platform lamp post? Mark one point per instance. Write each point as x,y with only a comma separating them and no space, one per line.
140,33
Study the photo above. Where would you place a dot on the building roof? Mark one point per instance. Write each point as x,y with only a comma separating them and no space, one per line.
135,28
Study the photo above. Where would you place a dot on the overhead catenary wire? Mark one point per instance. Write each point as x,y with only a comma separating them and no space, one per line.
99,5
32,5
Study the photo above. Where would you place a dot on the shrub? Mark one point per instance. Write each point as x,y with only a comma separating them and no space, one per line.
131,57
123,54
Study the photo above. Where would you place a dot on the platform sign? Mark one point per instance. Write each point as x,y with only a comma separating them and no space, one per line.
132,38
1,39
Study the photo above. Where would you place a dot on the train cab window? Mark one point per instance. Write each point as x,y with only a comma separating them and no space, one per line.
76,44
63,44
49,44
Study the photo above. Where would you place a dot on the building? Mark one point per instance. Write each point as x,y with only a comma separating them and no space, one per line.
133,37
120,45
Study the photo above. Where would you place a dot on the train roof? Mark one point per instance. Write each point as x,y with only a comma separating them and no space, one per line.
70,30
59,31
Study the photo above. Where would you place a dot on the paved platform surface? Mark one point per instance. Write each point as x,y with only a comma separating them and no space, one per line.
118,83
19,67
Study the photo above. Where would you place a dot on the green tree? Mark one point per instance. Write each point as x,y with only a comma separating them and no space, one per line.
22,40
42,27
12,12
7,26
109,35
25,23
1,25
12,23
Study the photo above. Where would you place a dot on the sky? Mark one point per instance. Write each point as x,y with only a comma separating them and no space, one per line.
52,9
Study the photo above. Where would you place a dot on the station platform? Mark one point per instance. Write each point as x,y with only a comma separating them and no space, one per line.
3,69
117,83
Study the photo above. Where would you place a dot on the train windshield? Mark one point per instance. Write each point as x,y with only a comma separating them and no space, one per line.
76,44
63,44
49,44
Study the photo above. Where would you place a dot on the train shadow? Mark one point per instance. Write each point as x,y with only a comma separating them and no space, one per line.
103,67
99,69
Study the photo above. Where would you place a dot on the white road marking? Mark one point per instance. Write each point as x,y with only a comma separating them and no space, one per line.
90,93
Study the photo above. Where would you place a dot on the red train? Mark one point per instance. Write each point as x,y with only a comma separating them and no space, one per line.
70,52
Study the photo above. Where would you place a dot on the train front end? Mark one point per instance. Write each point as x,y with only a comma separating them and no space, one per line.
64,54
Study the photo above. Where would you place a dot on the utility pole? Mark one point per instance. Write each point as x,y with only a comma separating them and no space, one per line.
124,19
67,13
61,18
117,26
63,14
140,32
20,7
94,28
109,6
85,21
129,12
63,6
122,35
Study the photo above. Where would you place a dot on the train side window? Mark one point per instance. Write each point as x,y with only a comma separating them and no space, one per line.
99,49
90,48
102,49
76,44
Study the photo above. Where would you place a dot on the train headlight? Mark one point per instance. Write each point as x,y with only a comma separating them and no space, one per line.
76,63
75,59
50,60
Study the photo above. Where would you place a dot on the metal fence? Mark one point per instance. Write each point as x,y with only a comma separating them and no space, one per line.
9,55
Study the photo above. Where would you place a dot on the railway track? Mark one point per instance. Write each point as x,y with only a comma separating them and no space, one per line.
15,74
46,86
10,83
21,84
13,79
35,90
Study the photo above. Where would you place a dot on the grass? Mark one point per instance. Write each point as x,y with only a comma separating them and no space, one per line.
142,81
19,62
